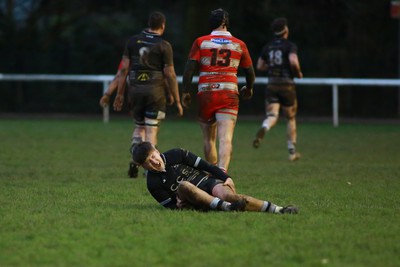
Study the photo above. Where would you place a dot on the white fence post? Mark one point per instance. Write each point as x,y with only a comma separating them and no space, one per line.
335,105
106,110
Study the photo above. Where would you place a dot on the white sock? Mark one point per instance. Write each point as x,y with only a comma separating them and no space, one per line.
214,203
265,124
291,147
270,207
136,140
217,203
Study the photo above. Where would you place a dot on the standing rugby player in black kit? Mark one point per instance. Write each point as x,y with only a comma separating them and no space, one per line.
148,60
279,59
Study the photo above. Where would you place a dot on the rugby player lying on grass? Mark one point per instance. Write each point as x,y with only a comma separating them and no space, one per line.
178,179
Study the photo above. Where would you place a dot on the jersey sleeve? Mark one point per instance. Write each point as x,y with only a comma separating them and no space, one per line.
126,50
245,61
198,163
293,48
160,194
164,199
214,170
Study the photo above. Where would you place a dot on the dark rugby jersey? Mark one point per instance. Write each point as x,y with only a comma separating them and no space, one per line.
276,55
149,53
180,165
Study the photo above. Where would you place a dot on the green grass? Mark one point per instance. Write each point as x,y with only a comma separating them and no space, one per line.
65,199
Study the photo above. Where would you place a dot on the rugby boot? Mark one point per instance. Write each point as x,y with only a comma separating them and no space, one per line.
294,156
133,170
259,136
289,209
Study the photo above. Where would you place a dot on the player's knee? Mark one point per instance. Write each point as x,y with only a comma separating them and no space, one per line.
290,116
184,187
224,192
152,122
273,114
139,124
208,144
225,139
230,196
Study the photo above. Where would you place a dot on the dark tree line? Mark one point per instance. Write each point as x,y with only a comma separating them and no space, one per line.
336,38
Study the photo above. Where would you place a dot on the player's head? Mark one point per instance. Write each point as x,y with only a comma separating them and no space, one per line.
141,151
219,18
146,155
156,20
279,27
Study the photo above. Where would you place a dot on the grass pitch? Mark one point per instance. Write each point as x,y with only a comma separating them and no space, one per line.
66,199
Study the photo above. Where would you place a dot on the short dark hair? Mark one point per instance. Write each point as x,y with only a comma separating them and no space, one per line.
141,151
278,26
219,17
156,20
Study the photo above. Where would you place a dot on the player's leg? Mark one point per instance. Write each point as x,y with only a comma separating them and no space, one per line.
252,204
145,130
225,131
227,109
191,196
151,130
208,125
209,131
148,111
137,137
138,134
272,115
154,114
290,113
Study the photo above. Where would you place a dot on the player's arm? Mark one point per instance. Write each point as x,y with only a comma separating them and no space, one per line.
247,92
172,84
180,155
186,157
214,170
295,65
262,64
164,199
190,69
105,99
119,99
170,97
170,76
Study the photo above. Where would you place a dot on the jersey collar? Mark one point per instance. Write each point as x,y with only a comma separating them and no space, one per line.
219,33
146,31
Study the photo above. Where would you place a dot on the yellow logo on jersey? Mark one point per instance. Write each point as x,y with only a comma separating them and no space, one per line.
143,77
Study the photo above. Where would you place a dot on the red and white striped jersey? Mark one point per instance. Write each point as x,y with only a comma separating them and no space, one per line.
219,55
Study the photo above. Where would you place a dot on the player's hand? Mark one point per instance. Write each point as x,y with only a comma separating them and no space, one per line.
118,102
246,93
180,109
104,101
230,184
182,204
179,202
186,100
170,100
